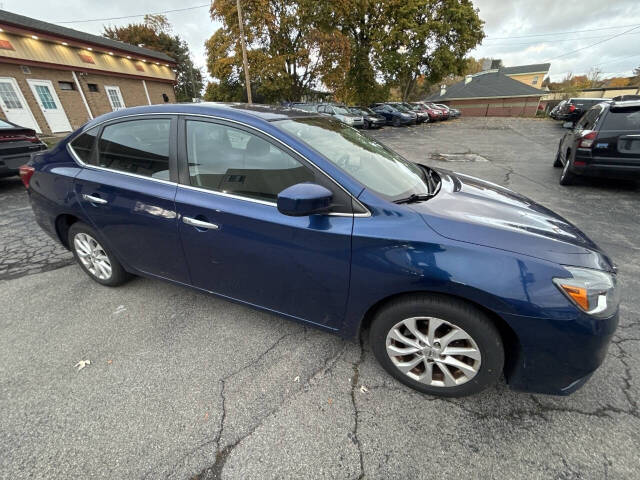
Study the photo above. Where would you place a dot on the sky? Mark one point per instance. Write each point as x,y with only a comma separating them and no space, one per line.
518,32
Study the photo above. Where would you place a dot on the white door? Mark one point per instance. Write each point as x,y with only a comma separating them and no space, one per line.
50,105
115,97
15,106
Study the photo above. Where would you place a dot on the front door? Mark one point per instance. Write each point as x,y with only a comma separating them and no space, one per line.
129,197
15,106
239,245
50,105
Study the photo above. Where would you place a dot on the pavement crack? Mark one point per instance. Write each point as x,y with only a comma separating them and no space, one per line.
356,413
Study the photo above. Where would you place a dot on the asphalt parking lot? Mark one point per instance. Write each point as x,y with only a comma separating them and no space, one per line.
182,385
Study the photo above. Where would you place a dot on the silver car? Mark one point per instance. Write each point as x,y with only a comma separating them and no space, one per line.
342,114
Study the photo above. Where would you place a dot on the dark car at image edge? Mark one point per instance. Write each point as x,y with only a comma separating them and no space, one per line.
16,146
456,280
604,143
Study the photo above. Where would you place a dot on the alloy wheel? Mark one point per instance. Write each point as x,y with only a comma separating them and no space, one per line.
433,351
92,256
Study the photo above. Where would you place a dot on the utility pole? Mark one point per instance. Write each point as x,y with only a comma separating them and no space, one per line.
244,54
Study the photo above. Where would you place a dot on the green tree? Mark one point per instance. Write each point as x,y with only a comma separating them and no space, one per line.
425,38
290,50
155,33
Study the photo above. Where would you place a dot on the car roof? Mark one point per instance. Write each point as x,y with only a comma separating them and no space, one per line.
232,111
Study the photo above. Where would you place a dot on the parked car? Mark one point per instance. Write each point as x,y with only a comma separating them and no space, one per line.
456,280
604,143
453,112
422,116
305,107
392,115
444,111
371,118
434,114
342,113
555,111
401,108
16,146
576,107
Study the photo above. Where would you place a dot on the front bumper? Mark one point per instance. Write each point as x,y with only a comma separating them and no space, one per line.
557,357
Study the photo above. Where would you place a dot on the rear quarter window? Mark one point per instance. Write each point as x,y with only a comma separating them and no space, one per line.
82,145
622,120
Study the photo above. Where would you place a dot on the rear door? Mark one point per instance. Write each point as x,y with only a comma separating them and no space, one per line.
239,245
127,190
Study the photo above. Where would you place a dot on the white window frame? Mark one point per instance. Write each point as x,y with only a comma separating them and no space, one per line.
120,99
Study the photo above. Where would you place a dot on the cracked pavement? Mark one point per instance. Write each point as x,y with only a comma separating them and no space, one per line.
183,385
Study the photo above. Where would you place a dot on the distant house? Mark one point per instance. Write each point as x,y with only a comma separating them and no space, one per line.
53,79
528,74
490,93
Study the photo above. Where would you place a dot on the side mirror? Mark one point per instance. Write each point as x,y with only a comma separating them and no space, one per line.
304,199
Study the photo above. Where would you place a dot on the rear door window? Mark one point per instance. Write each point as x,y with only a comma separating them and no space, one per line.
137,146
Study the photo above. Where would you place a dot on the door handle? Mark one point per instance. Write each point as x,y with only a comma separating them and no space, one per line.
92,199
194,222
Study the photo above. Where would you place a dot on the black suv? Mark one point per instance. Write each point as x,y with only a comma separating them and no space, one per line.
604,143
576,107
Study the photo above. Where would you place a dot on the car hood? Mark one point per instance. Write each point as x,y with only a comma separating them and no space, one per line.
472,210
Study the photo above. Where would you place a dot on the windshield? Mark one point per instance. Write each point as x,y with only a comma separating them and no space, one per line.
401,108
365,159
341,111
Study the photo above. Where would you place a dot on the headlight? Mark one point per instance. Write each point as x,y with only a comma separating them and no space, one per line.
592,291
348,120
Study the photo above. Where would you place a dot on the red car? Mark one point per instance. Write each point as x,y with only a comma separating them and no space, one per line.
434,113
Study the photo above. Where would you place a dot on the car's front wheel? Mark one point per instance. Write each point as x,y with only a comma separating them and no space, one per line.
96,260
437,345
396,122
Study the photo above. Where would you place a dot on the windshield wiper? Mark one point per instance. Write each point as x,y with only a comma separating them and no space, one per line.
415,197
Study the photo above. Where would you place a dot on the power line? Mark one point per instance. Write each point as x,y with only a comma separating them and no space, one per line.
560,33
139,15
541,41
593,44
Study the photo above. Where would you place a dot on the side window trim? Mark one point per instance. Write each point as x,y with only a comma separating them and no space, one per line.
184,179
173,172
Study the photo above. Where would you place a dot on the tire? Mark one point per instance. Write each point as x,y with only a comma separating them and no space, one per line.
567,177
96,260
366,125
396,122
471,329
557,163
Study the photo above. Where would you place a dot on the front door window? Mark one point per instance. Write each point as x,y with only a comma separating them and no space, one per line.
45,97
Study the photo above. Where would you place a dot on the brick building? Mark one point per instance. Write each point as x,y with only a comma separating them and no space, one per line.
490,94
53,79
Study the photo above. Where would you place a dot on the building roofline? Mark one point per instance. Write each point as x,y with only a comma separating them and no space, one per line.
431,100
13,23
57,66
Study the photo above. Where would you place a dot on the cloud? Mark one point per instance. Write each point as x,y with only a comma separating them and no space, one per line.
521,20
514,18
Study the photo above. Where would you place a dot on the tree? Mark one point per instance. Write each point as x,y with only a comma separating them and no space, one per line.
290,49
594,76
428,38
155,33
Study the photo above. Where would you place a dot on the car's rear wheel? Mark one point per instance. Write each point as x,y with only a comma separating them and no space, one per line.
557,163
396,122
96,260
367,126
567,177
437,345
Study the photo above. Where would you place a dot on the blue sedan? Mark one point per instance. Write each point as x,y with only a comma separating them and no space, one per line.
456,280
